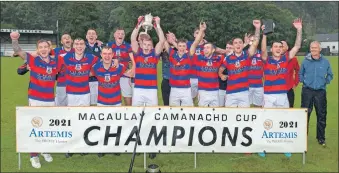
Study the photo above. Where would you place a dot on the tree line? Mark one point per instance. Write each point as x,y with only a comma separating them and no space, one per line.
225,20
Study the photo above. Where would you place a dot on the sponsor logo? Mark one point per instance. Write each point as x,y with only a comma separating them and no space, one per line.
49,70
277,136
37,122
268,124
107,77
117,52
197,51
77,67
209,69
254,61
237,64
146,58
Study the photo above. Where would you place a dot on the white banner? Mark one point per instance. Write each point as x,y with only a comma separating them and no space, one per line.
164,129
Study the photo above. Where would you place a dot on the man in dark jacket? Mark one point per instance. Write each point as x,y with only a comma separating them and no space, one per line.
315,73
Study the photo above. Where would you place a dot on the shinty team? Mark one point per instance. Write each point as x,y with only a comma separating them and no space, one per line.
88,73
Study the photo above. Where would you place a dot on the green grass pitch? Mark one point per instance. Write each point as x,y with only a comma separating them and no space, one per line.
319,159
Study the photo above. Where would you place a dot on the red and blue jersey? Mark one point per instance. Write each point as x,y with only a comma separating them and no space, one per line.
275,75
256,71
199,50
121,52
61,80
42,78
109,92
77,72
207,71
180,69
237,68
146,70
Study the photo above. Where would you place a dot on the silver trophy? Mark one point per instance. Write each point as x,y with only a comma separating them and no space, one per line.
147,23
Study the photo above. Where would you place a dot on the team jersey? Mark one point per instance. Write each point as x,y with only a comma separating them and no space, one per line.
42,78
121,52
96,51
199,50
180,69
207,72
256,71
109,92
77,72
146,70
61,79
275,75
237,68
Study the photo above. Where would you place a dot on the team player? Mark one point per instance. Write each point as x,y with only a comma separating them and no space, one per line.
108,76
198,51
180,72
146,60
123,52
78,65
43,70
93,46
207,66
60,94
255,78
275,70
237,65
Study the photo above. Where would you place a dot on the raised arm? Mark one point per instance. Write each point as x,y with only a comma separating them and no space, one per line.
264,54
171,39
198,38
218,50
253,48
15,44
247,39
167,46
298,25
160,45
134,35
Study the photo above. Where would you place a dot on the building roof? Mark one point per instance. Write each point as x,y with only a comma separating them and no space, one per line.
326,37
28,31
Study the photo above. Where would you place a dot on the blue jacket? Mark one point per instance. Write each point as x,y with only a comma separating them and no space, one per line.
315,74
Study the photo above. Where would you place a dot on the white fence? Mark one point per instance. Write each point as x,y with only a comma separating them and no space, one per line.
7,49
